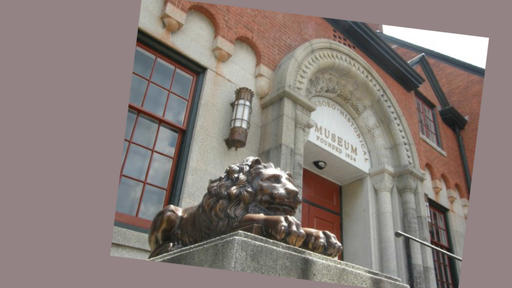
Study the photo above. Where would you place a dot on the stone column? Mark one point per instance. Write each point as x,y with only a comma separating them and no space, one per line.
302,126
383,183
407,184
456,224
277,142
424,234
285,125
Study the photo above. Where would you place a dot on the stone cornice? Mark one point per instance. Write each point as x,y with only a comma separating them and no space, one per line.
271,99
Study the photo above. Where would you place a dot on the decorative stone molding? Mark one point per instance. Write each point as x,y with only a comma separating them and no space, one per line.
294,73
330,85
465,206
437,186
301,101
303,119
452,195
222,48
173,18
407,179
263,80
382,178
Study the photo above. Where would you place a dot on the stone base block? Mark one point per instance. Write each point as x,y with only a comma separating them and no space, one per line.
245,252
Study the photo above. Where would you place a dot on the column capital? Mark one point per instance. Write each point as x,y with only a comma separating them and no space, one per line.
382,179
294,96
407,179
303,118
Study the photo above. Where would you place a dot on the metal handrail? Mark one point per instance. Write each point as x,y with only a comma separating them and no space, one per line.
400,233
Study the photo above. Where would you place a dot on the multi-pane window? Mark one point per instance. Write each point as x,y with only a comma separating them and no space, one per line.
160,98
439,238
428,127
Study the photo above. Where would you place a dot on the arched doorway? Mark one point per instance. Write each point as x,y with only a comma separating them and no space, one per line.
377,201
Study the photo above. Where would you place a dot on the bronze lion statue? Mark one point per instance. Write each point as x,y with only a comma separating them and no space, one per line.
251,196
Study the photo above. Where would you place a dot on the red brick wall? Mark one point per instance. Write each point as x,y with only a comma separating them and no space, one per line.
273,35
464,92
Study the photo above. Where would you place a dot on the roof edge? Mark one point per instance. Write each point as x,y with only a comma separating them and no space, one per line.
379,51
431,53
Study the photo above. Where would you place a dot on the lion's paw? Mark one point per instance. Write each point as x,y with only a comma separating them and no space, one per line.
295,234
333,246
286,229
322,242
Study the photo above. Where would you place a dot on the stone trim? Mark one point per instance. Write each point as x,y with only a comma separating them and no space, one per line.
452,195
327,56
465,206
437,148
305,103
382,179
295,70
437,186
173,18
263,80
222,48
129,238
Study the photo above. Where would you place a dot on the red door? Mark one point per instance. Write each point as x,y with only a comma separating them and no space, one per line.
321,206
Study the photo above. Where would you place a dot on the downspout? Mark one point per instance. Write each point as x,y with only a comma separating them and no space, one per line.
448,113
457,122
464,159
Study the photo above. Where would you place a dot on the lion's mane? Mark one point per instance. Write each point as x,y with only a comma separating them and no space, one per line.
227,200
230,197
250,187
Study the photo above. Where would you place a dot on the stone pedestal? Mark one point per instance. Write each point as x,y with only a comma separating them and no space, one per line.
245,252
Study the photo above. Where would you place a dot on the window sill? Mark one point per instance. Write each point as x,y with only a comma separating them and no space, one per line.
433,145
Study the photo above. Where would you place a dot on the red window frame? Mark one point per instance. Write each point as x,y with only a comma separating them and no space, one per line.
160,120
439,237
427,121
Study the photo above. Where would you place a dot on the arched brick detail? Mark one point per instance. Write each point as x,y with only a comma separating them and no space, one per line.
432,171
447,181
253,46
208,14
462,192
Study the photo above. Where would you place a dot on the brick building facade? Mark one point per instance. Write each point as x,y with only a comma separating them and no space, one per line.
415,113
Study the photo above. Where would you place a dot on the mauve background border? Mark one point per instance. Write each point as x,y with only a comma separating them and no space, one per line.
64,84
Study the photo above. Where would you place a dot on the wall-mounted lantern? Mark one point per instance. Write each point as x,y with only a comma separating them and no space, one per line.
240,119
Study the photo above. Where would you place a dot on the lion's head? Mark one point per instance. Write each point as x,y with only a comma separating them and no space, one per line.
248,187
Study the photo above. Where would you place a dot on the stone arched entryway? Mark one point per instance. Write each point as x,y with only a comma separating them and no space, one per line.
328,69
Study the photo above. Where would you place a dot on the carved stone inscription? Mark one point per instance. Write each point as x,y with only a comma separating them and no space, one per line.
336,132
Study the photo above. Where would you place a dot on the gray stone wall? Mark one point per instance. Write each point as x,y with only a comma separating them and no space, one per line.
245,252
130,244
